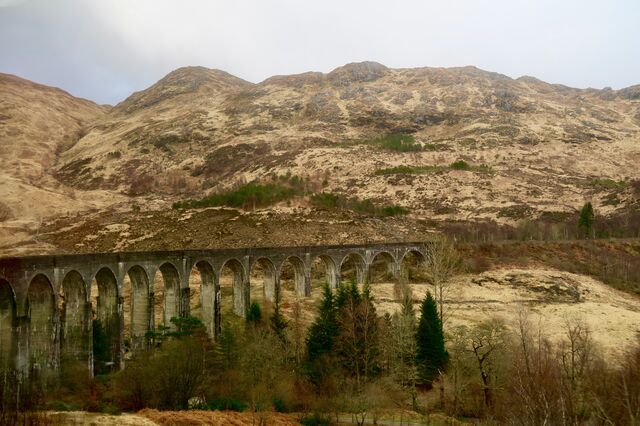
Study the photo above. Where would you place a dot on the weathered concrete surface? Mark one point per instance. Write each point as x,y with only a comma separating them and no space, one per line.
46,304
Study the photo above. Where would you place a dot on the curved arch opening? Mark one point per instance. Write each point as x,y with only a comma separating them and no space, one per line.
382,268
76,313
411,266
106,322
292,278
171,293
323,271
202,293
234,297
41,308
7,325
138,309
264,286
352,267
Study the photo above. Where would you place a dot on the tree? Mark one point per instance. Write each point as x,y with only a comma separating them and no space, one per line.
254,316
431,355
324,329
586,220
487,341
402,350
442,262
357,343
320,340
278,325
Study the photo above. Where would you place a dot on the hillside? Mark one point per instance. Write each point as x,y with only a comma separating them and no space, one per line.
546,148
37,123
445,144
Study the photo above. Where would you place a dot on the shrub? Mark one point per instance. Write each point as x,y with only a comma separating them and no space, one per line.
460,165
315,420
226,403
393,142
333,201
249,195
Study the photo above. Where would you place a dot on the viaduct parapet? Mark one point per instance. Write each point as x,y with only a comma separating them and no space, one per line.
52,307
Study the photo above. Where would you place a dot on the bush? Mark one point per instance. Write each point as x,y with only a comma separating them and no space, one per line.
226,404
393,142
333,201
250,195
460,165
315,420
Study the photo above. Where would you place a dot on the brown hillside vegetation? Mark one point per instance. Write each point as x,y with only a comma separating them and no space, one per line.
440,144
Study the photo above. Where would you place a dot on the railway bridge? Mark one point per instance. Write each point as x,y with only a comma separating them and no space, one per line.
52,307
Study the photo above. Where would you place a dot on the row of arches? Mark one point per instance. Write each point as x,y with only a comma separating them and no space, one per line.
100,322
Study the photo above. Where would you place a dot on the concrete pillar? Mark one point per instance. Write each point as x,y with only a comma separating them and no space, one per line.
21,344
272,287
208,301
185,298
217,312
87,337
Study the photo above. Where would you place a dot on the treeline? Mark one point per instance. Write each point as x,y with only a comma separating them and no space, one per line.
352,361
283,188
548,227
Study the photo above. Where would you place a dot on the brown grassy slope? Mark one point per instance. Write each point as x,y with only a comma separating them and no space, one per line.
614,262
36,124
550,147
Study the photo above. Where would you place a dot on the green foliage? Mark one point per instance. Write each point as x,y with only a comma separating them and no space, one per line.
101,349
460,165
398,142
414,170
247,196
335,201
315,419
609,183
279,325
324,329
431,355
586,219
409,170
225,404
254,315
357,344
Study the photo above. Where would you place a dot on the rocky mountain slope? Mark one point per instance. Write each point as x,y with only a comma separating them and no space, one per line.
37,123
546,147
529,148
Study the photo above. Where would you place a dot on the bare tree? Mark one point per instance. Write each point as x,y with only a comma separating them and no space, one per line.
442,263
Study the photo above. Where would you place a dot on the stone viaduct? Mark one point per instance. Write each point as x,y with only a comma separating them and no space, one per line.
48,311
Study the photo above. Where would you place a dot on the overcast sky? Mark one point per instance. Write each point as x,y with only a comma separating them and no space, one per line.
106,49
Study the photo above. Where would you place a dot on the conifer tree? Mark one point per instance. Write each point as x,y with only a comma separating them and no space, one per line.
254,316
431,355
279,324
586,219
324,329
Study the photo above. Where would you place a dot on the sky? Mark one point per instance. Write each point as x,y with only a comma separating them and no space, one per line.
104,50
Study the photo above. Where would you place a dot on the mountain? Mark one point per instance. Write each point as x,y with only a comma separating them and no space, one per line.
482,146
548,147
37,123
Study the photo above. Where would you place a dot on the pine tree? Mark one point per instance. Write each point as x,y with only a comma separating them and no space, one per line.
279,324
431,355
586,219
254,316
358,341
320,340
324,330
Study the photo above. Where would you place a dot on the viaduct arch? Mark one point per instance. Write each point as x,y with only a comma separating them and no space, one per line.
51,307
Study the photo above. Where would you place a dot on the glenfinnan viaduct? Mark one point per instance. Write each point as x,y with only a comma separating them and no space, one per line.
47,314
